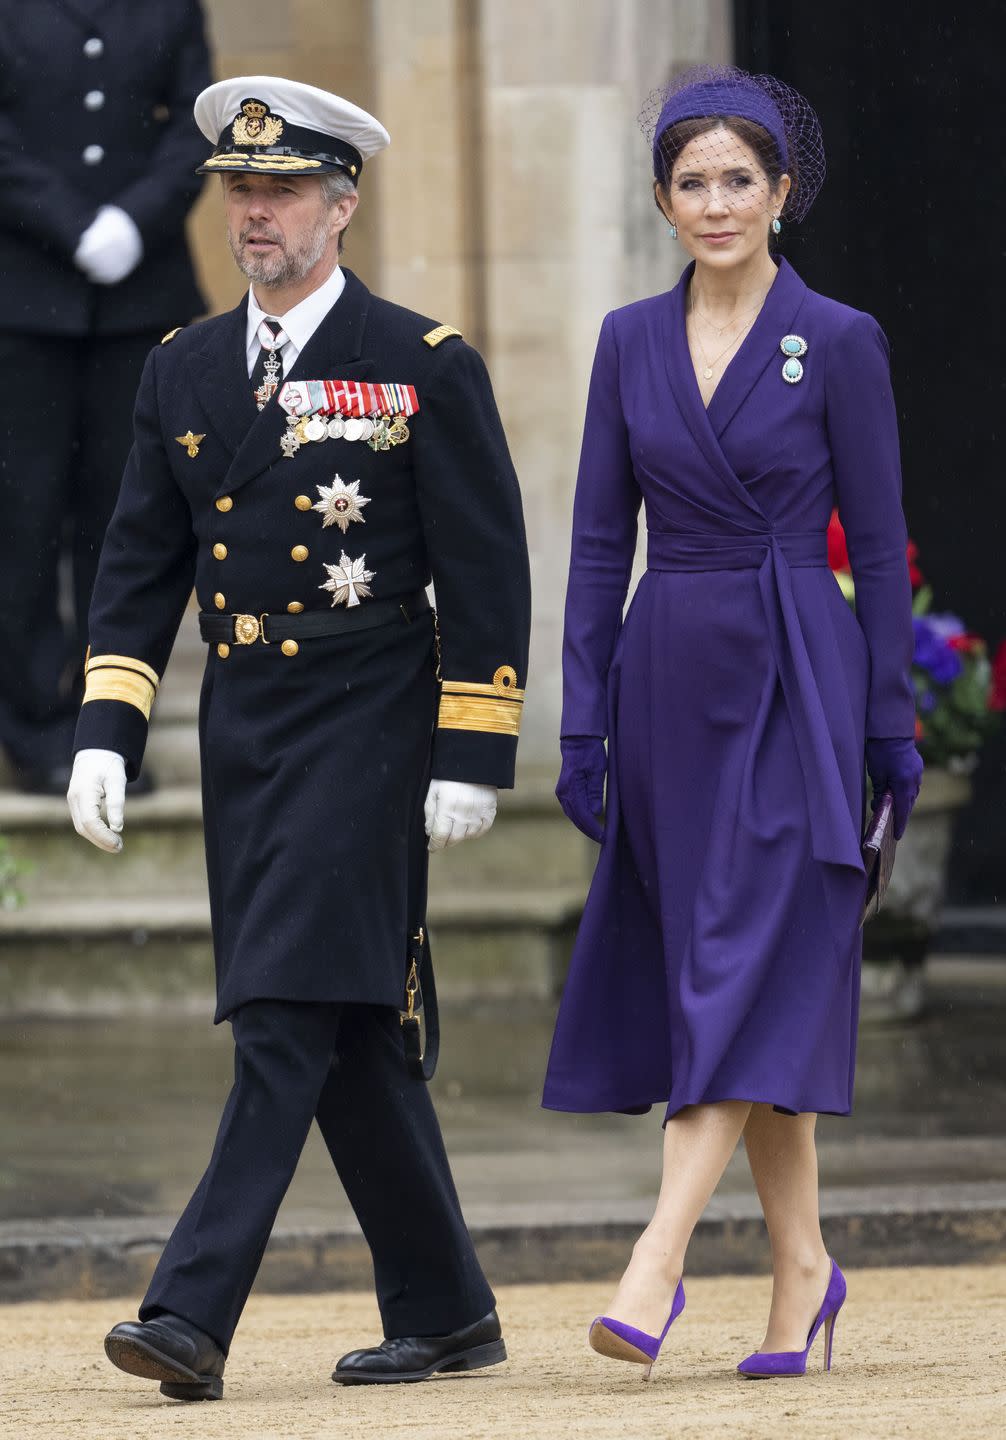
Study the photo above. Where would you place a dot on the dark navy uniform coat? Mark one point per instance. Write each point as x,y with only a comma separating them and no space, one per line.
316,763
96,109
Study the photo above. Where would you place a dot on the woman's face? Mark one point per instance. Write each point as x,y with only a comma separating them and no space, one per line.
721,199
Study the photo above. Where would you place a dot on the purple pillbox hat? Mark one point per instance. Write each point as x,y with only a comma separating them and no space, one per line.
745,99
707,91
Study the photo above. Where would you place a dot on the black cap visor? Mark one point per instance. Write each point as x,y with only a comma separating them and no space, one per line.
308,152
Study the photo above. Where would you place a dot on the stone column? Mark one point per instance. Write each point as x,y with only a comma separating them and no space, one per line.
570,232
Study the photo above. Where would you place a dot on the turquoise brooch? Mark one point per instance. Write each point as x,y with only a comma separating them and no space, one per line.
793,347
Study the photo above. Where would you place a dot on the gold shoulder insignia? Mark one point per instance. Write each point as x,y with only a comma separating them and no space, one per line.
172,333
442,332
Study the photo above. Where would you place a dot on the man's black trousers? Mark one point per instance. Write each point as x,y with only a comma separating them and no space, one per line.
66,425
343,1065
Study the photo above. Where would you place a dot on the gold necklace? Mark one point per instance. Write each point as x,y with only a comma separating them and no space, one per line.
707,373
720,330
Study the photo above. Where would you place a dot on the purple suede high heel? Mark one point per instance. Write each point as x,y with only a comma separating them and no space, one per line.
624,1342
761,1366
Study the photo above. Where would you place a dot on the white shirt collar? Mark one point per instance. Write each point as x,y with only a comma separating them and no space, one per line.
299,323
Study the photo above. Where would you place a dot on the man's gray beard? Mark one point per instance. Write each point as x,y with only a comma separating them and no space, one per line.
289,266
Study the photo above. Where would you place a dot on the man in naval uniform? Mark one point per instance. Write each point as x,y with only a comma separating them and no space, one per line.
97,171
309,462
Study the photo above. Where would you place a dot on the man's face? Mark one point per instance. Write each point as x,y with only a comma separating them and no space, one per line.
280,226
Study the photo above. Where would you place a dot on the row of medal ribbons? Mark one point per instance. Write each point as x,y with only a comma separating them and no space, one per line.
352,399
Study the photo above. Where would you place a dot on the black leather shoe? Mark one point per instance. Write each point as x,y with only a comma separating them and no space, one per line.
416,1357
189,1365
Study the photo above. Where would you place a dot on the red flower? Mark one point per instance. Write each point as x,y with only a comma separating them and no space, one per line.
968,643
920,729
997,694
914,573
838,553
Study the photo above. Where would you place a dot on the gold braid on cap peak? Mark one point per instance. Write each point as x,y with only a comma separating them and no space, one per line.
493,709
120,677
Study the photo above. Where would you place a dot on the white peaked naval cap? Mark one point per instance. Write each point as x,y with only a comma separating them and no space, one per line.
283,127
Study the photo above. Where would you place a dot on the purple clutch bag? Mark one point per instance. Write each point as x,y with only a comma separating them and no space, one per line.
878,854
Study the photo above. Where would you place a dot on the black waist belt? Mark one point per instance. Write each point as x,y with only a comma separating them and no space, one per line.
311,625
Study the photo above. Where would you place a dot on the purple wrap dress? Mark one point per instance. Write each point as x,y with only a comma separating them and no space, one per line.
718,955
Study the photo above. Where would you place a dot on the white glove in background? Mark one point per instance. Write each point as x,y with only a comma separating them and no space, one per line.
457,811
110,248
98,775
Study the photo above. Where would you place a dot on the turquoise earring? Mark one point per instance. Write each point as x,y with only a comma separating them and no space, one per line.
673,229
776,225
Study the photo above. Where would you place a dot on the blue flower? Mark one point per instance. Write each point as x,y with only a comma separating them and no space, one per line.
945,625
932,652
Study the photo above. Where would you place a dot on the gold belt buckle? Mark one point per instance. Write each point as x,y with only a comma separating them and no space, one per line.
249,628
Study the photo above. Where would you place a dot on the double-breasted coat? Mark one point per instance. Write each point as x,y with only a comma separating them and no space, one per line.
718,956
96,109
316,754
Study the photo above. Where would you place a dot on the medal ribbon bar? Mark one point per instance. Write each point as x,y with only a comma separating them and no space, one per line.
353,399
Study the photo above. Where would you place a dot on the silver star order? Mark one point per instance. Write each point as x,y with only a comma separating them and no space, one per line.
340,503
348,581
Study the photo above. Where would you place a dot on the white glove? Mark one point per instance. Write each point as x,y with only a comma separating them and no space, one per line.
457,811
110,248
98,775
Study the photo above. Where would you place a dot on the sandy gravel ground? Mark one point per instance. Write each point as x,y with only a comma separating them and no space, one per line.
917,1353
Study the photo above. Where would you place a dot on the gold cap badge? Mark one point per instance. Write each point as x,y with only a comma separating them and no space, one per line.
255,126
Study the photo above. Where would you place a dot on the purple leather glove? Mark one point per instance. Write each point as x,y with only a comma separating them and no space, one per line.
895,765
580,790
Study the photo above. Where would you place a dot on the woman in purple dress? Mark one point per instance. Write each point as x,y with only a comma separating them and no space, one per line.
716,969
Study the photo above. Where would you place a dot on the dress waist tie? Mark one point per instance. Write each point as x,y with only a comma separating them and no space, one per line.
773,554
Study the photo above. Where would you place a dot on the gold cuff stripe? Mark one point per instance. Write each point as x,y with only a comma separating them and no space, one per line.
462,687
122,662
126,685
491,716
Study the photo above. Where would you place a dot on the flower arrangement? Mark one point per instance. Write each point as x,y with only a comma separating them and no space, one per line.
958,689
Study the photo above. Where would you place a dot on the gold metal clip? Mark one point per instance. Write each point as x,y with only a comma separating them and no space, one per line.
411,991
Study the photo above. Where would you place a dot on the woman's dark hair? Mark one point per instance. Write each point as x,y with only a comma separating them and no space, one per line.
676,137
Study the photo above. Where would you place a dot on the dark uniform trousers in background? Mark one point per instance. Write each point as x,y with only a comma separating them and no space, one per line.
95,109
317,750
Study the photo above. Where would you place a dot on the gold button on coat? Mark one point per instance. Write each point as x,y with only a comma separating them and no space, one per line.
223,651
289,647
219,600
294,607
224,504
303,502
299,552
219,551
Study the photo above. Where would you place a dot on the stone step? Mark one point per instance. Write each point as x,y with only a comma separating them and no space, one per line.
163,852
532,846
86,956
173,752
